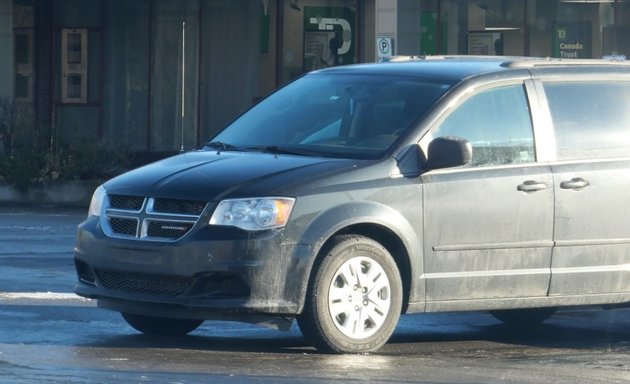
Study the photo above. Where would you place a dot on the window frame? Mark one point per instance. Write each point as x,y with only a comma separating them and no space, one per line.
24,69
74,68
461,94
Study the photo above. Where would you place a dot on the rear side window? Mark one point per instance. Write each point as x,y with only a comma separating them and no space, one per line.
497,123
591,119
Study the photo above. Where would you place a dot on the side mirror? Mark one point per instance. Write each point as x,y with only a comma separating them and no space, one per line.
447,152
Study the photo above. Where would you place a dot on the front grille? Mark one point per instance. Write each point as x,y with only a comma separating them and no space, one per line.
182,207
124,226
143,283
150,218
217,285
127,203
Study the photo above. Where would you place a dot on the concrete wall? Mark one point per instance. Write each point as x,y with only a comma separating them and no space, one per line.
6,48
386,21
408,27
369,31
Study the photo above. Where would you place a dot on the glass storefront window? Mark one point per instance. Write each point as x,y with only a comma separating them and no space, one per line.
579,29
558,28
318,34
493,27
136,89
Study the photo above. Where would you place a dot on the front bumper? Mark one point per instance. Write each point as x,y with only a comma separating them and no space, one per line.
213,272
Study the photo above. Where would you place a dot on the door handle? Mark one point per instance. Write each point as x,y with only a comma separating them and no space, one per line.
576,183
530,186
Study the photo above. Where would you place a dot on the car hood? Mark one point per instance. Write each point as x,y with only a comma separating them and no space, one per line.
209,175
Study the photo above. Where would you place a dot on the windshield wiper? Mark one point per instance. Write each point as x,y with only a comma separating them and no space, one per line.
278,150
222,146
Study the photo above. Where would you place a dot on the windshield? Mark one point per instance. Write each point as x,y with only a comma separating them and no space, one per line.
353,116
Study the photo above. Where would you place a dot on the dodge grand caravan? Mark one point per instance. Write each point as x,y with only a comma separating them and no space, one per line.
356,194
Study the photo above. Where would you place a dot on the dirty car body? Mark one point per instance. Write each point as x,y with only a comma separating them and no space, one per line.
358,193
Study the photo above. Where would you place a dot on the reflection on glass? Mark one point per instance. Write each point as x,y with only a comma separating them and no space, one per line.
74,48
73,82
22,86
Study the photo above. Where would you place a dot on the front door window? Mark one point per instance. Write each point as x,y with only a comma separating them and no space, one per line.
497,124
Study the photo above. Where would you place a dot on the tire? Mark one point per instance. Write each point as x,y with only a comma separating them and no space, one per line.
524,317
354,298
151,325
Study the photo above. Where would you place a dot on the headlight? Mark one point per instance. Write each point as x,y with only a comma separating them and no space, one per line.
253,214
97,201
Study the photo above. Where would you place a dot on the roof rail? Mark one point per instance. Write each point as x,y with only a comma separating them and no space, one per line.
519,61
403,58
550,62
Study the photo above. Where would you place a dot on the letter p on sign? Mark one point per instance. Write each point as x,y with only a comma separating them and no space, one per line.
383,48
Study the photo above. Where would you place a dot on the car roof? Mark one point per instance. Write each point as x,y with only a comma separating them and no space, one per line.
454,69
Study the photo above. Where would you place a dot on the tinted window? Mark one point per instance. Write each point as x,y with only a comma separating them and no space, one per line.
497,123
335,115
591,120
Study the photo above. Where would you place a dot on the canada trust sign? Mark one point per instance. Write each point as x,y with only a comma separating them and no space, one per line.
572,40
571,50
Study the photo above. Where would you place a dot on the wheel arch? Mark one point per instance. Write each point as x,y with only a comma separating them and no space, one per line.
380,223
388,239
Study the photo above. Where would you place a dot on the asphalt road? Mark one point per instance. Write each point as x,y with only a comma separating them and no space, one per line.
48,335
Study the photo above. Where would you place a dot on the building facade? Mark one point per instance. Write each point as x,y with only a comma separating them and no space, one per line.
160,76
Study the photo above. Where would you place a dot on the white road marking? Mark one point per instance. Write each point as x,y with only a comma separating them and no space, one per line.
45,298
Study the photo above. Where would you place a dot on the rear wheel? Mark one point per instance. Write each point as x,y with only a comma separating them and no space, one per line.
161,325
354,299
525,316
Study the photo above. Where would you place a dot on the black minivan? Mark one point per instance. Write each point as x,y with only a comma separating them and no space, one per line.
358,193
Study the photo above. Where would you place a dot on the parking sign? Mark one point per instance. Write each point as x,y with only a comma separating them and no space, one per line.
383,48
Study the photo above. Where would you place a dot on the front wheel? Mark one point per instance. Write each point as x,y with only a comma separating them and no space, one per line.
354,300
151,325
